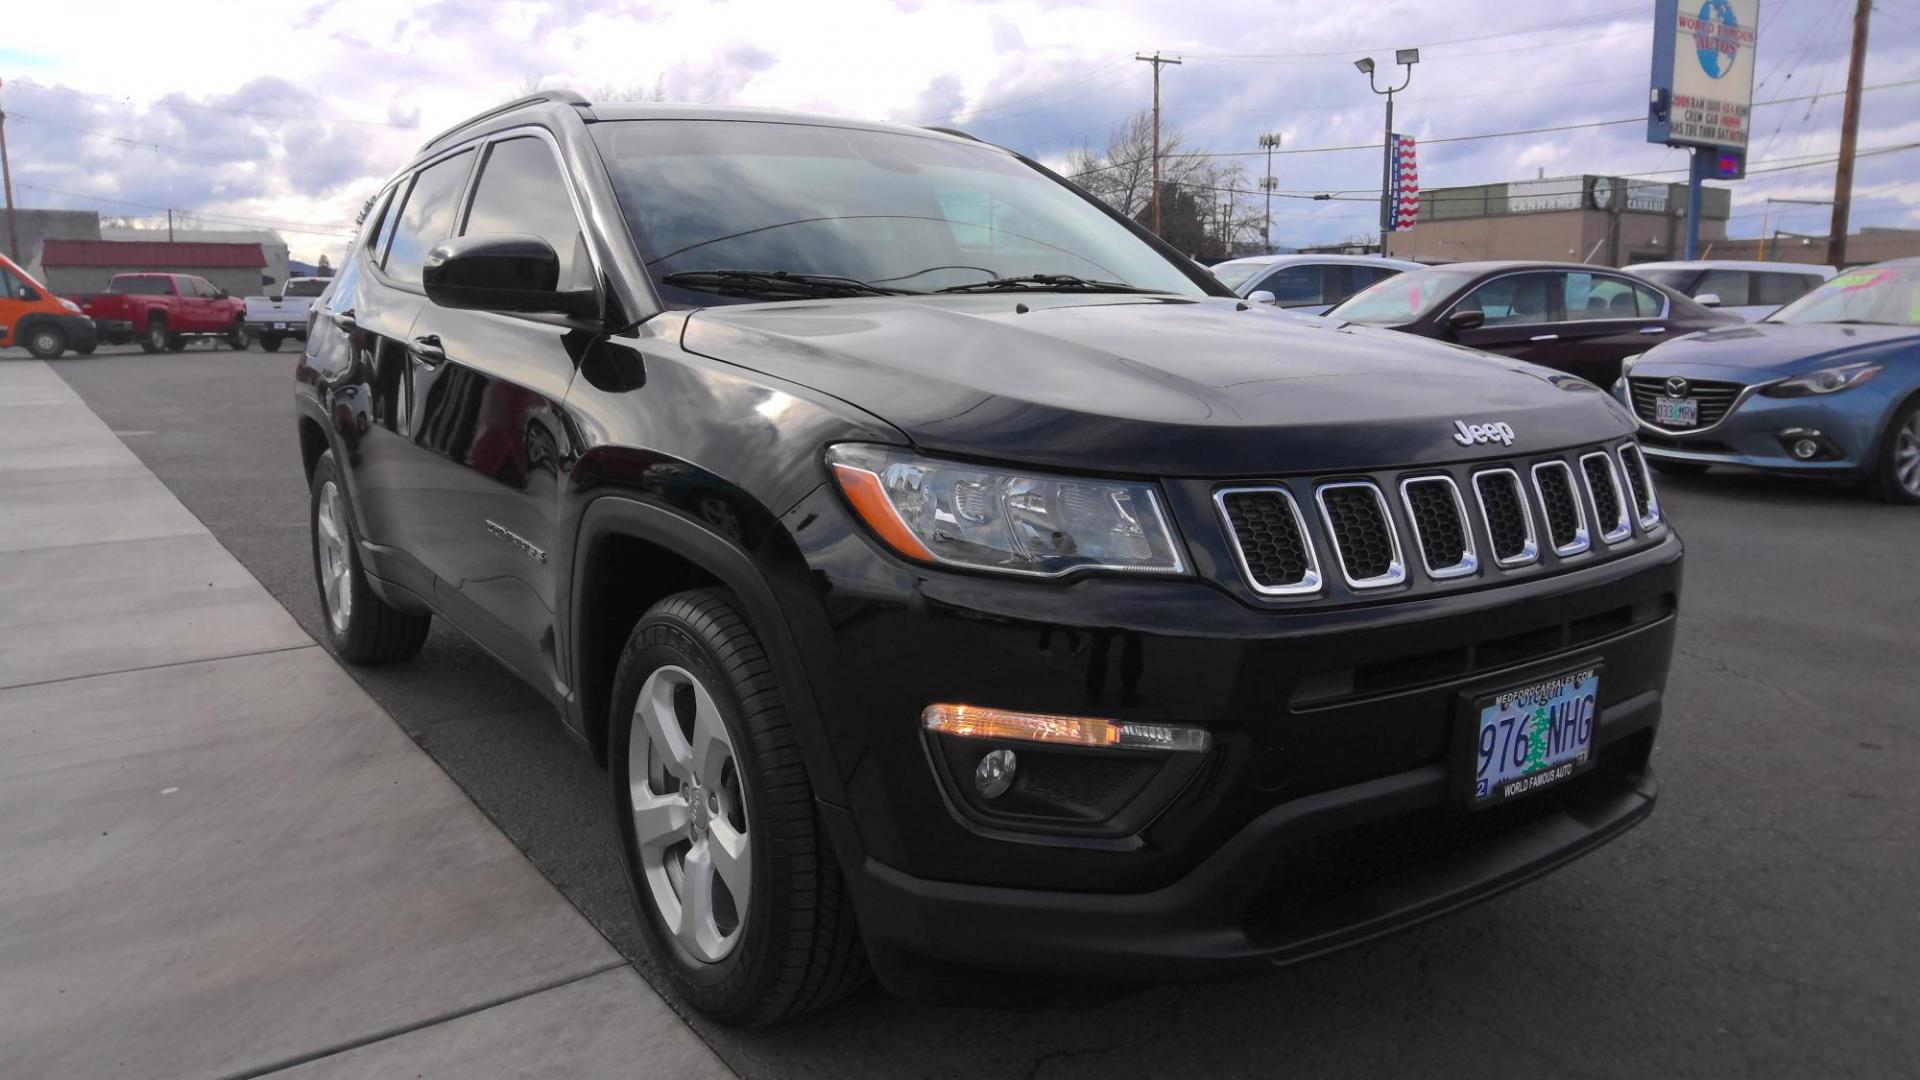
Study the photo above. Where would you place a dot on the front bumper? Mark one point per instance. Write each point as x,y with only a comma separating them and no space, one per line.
1753,435
80,331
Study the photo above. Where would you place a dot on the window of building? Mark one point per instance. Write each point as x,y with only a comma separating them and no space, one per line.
521,191
427,218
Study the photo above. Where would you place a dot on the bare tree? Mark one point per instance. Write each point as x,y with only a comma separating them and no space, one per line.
1212,210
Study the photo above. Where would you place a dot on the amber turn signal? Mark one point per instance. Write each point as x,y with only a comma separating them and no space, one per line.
979,722
870,501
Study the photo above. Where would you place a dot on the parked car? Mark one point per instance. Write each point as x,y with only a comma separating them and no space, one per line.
1828,385
44,324
1577,318
1751,290
165,311
951,573
1306,284
273,319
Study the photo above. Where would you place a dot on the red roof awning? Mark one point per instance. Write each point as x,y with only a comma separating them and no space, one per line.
150,255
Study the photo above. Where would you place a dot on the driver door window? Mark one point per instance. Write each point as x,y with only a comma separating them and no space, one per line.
1296,286
1729,285
1514,300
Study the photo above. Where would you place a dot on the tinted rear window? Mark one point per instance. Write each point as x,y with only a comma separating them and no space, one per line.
141,284
306,288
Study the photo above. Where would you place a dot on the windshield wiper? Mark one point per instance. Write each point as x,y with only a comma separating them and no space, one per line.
777,283
1044,281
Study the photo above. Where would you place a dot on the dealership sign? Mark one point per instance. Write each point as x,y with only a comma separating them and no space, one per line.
1703,59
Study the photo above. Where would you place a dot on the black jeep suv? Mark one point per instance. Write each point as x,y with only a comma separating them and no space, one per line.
955,580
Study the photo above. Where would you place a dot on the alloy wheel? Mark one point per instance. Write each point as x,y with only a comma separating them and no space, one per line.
689,814
1906,455
336,563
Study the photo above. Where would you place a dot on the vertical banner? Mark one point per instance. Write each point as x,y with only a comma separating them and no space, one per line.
1403,189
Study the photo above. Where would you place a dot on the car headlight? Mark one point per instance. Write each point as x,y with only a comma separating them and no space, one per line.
1626,365
70,306
1825,381
1014,522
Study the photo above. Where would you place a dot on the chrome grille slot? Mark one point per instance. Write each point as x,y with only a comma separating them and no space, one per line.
1508,520
1560,505
1439,518
1603,489
1646,506
1270,540
1362,533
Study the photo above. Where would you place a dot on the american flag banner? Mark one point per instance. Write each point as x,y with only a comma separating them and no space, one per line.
1403,189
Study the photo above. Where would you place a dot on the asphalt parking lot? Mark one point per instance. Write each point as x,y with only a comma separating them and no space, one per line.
1764,922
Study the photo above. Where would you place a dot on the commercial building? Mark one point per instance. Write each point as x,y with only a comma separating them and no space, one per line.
272,246
1869,245
73,267
37,226
1604,220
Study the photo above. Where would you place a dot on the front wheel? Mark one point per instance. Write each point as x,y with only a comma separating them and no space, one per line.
156,338
176,343
237,337
738,892
362,628
1897,479
46,342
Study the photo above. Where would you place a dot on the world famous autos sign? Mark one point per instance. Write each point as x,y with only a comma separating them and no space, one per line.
1703,58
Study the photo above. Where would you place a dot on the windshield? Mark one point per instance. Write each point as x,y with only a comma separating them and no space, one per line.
890,209
311,287
141,284
1677,278
1402,298
1235,274
1877,294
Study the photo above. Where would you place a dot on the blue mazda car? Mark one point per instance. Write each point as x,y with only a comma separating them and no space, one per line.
1829,385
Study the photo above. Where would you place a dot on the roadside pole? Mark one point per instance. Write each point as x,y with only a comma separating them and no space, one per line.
1157,61
1849,130
6,173
1696,172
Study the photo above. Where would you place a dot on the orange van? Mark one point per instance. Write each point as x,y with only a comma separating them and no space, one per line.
35,318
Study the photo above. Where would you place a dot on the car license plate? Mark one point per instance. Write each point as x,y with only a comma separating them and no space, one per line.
279,326
1676,412
1535,736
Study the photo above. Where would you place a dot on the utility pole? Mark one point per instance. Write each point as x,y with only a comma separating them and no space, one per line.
1158,62
1849,130
1271,141
6,173
169,224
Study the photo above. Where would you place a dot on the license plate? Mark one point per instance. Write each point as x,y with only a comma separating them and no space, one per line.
279,326
1676,412
1535,736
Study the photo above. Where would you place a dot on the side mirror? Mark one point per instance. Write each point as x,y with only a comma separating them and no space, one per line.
502,272
1707,299
1260,296
220,294
1466,320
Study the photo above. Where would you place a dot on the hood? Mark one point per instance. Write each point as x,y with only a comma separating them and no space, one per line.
1153,385
1761,352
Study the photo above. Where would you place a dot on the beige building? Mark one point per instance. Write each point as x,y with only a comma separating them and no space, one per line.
1603,220
1866,246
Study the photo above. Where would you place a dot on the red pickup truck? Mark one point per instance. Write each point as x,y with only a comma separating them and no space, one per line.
165,311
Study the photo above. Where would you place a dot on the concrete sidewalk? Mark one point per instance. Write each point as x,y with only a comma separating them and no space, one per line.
218,856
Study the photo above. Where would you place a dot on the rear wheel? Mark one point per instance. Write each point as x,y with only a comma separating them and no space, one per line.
46,342
176,343
237,337
270,342
363,628
156,337
1898,477
737,889
1676,468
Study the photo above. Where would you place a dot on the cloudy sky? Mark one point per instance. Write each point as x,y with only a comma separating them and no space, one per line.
289,115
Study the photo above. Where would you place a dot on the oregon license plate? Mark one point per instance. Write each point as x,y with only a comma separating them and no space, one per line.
1535,736
279,326
1676,412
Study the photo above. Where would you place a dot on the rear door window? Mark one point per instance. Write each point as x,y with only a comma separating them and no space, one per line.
1651,301
521,191
1599,296
1729,285
428,216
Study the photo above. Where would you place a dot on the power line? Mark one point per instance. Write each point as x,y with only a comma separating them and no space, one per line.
1344,54
303,227
222,110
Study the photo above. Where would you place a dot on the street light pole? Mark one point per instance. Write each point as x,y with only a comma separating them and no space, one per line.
1270,140
1406,58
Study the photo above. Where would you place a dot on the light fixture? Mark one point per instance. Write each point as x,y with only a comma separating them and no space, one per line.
1365,64
974,721
1406,56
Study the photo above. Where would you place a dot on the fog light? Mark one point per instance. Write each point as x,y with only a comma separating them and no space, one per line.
994,775
976,721
1805,449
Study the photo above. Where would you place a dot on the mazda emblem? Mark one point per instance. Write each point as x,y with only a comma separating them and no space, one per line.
1677,387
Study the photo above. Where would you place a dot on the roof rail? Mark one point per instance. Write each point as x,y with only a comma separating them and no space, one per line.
564,97
954,132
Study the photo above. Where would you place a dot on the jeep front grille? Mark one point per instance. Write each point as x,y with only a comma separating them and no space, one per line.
1715,399
1525,515
1270,540
1439,520
1363,538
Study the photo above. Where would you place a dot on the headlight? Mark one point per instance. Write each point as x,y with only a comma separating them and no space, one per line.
1825,381
70,306
1626,366
990,519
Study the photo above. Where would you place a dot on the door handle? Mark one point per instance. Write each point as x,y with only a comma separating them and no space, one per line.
1653,329
345,320
427,350
1544,337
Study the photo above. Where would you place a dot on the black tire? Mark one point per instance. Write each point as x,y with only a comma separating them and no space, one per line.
46,341
1900,449
85,350
270,342
237,337
156,337
176,343
371,632
1676,468
797,947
